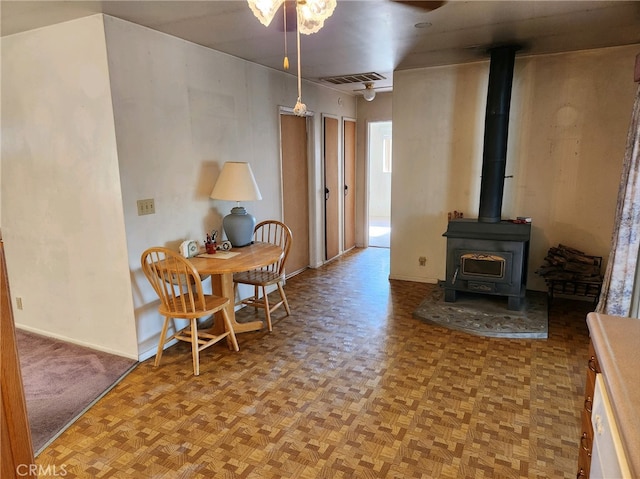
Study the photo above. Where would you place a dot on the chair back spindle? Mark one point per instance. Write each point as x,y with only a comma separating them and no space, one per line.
175,281
277,233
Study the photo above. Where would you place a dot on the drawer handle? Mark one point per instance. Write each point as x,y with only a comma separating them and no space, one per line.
588,404
592,364
584,440
580,474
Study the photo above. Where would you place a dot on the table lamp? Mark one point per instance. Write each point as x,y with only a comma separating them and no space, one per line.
237,183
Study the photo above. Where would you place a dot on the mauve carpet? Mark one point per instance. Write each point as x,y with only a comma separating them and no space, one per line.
61,380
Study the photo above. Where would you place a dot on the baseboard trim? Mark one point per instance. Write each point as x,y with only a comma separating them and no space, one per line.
85,344
415,279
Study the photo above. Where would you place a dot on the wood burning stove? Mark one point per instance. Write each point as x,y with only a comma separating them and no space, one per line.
487,258
489,255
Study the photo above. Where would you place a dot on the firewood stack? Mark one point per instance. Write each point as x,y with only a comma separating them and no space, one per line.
564,263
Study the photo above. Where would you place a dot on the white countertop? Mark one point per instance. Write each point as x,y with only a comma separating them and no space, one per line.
616,341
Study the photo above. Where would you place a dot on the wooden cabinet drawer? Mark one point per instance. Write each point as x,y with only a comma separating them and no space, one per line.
586,438
592,363
586,444
584,465
588,391
587,429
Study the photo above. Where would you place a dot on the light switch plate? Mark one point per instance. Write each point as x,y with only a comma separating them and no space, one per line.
146,207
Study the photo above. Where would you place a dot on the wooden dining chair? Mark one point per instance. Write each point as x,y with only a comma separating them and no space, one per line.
179,287
278,233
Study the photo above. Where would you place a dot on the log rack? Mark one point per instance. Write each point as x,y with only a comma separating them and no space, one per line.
571,272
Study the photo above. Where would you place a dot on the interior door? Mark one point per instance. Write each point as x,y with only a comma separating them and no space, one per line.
295,186
331,189
349,141
17,448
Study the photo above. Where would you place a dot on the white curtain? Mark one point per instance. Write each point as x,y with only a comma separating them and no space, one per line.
617,296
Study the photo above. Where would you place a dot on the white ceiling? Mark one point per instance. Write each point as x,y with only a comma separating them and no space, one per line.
362,36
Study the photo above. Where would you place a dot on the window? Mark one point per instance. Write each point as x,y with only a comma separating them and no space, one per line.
386,154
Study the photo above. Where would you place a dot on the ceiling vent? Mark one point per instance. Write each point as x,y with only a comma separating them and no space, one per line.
354,78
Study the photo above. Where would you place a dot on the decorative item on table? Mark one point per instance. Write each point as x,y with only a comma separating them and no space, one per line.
189,248
210,244
237,183
224,246
455,215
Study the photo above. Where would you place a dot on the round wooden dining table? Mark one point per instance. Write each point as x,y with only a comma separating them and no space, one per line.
221,266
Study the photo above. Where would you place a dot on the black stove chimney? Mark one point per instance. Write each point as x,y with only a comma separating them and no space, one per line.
494,154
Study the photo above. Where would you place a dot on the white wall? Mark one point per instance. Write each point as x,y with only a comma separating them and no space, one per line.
181,111
99,113
569,119
62,217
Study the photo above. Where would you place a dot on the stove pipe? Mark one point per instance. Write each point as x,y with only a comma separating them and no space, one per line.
494,156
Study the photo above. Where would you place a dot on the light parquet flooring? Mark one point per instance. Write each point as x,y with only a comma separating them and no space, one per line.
349,386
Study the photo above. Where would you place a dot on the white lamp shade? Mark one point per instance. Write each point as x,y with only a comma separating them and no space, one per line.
236,183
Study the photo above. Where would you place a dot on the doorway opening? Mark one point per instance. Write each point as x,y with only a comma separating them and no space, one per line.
379,201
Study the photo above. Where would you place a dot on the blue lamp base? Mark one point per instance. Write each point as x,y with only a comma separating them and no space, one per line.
239,226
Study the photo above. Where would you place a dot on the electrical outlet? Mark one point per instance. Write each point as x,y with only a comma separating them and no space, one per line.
422,261
18,302
146,207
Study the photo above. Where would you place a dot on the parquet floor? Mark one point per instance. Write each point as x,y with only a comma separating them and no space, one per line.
350,386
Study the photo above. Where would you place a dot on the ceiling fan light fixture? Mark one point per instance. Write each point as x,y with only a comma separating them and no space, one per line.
369,93
313,13
264,10
310,17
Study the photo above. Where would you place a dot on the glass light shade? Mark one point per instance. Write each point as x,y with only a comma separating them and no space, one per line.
264,10
369,93
313,13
